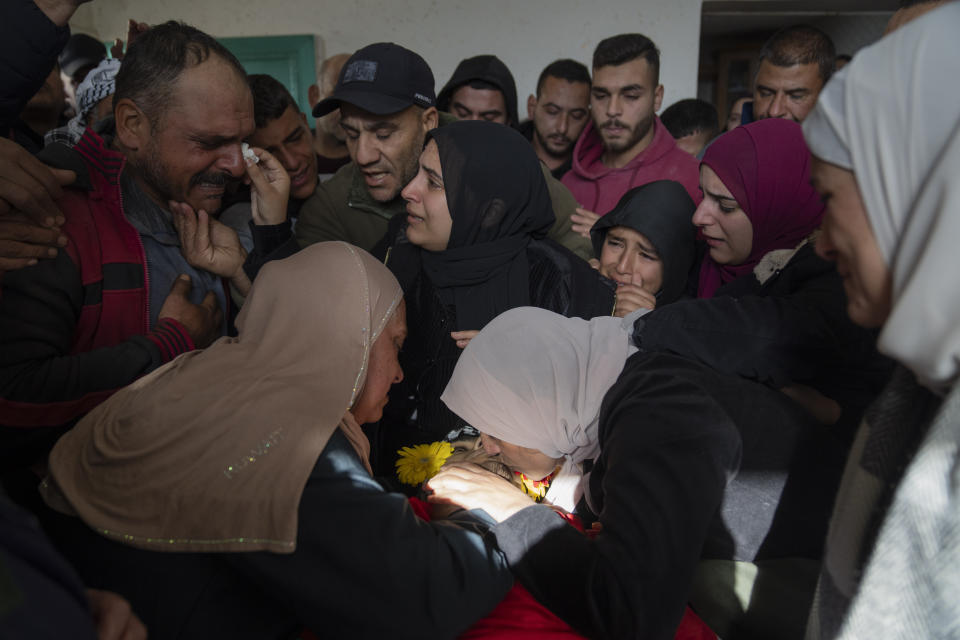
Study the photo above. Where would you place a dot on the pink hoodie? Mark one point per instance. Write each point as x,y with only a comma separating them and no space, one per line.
598,188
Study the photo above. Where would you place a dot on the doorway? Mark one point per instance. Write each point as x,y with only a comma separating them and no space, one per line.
733,31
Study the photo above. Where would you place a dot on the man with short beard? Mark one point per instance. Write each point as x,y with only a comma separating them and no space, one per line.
558,113
795,64
625,145
144,275
387,105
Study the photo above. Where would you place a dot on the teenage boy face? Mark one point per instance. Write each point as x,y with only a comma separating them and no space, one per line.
624,100
290,142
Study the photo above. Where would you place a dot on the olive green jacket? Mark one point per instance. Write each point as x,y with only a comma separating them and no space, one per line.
342,209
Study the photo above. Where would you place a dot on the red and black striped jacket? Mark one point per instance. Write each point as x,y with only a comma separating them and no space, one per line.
75,329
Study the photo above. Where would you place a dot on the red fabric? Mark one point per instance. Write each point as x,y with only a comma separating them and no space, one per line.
598,188
519,616
421,508
99,234
693,628
766,167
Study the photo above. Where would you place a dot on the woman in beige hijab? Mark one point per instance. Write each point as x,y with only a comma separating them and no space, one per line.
230,492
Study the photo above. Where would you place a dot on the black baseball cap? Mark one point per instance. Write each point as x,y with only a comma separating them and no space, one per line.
382,78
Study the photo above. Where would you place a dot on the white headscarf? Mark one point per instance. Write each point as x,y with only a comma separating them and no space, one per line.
892,116
536,379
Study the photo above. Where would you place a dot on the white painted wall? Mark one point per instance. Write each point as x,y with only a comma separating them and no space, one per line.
852,33
526,34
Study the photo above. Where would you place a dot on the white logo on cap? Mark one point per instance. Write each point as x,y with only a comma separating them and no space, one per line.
361,71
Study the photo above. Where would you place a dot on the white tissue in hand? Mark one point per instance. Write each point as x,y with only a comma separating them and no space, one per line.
248,153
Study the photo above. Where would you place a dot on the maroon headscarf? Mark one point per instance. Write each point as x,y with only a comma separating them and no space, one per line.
766,167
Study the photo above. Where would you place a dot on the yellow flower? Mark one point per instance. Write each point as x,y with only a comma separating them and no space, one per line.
421,462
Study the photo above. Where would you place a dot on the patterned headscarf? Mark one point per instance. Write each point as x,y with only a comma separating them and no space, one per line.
99,83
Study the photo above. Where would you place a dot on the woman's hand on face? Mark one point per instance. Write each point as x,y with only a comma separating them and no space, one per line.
463,338
208,244
269,188
473,487
631,297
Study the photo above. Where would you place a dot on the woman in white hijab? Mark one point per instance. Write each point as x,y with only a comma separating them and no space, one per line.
546,392
885,136
541,414
228,493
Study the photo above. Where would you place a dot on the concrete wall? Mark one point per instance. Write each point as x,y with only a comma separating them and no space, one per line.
526,35
852,33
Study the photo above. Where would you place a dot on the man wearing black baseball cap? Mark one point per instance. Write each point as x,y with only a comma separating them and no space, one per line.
387,105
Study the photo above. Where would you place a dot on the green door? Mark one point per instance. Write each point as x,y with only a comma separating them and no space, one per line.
289,59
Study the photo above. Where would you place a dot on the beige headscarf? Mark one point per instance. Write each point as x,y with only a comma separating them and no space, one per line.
536,379
212,451
892,116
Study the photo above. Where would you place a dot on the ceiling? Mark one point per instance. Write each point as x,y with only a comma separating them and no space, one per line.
723,17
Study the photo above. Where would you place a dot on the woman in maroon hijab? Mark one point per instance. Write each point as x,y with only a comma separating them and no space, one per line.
768,308
757,198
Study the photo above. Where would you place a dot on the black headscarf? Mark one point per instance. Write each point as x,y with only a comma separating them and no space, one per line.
663,212
499,203
489,69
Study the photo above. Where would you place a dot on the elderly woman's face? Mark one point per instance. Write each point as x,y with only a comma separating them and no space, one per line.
846,237
723,222
428,216
532,463
383,368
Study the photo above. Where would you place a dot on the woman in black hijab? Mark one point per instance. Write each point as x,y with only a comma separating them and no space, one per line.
475,245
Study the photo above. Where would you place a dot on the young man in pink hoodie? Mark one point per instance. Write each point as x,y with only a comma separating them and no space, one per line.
625,145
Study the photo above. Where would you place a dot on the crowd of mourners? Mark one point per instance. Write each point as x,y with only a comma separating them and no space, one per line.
425,370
